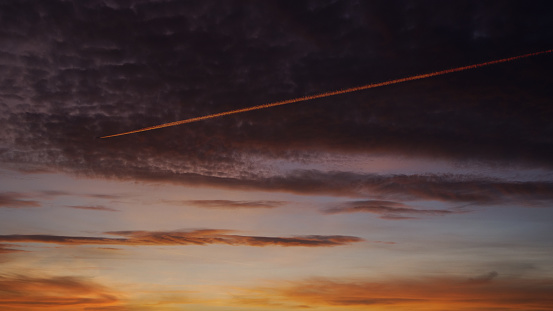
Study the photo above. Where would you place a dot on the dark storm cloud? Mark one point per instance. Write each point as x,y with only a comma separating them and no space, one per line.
71,71
228,204
386,209
197,237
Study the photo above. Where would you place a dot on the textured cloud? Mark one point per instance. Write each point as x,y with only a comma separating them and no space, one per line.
68,77
386,209
229,204
422,294
197,237
16,200
21,292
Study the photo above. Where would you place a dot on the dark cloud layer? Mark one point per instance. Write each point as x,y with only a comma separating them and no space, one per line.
71,71
197,237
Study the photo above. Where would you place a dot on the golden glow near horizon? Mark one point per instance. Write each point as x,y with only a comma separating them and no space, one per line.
332,93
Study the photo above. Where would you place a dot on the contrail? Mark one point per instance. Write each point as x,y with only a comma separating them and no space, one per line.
332,93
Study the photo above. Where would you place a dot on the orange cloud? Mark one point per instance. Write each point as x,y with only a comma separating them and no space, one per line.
488,292
20,292
196,237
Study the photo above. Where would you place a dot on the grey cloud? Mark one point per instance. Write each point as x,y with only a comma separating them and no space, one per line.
482,279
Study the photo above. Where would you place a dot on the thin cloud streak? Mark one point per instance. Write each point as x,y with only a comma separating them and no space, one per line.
328,94
7,249
446,187
386,209
229,204
197,237
93,208
16,200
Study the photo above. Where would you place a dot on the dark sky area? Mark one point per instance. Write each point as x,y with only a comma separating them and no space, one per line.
72,71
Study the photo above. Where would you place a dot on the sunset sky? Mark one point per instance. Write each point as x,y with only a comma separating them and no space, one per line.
426,195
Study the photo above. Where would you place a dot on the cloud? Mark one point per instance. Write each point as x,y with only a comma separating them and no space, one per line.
413,294
164,61
23,292
386,209
56,193
6,249
20,200
197,237
229,204
445,187
16,200
94,208
484,278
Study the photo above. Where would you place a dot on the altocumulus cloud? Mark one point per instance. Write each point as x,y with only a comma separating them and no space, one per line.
67,78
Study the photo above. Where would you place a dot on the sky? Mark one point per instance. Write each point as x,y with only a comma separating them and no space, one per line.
426,195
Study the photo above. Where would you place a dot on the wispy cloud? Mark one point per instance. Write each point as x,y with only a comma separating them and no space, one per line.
197,237
445,187
17,200
23,292
386,209
428,294
93,208
228,204
7,248
34,199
